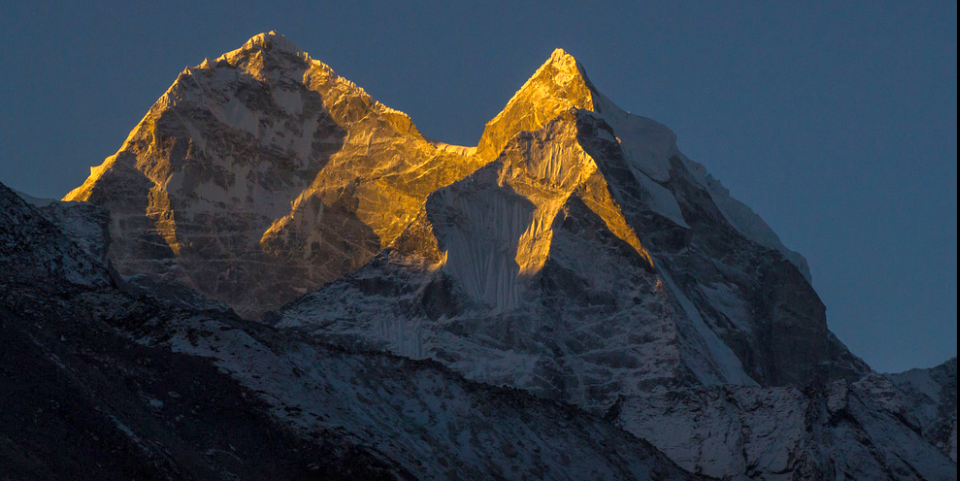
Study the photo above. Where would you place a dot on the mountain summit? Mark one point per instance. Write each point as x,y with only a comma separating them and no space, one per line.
558,85
574,254
261,175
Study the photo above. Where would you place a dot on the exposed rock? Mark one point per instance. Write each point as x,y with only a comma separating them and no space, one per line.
261,175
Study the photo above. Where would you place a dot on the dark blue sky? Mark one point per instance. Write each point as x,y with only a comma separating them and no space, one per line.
835,121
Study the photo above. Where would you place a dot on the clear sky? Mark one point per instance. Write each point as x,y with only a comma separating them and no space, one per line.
835,121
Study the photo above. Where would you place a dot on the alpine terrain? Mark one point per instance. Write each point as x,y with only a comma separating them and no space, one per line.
276,276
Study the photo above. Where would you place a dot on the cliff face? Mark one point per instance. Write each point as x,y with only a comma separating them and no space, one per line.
261,175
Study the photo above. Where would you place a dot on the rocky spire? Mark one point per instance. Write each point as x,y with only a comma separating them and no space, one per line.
558,85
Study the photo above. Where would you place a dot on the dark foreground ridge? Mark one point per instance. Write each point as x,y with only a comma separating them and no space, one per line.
82,400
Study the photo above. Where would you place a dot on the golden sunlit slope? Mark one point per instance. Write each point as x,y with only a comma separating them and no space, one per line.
494,230
559,84
232,147
262,174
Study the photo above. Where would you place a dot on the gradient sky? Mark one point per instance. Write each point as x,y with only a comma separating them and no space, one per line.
835,121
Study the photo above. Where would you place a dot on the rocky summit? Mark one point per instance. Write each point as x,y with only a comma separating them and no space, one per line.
571,298
262,175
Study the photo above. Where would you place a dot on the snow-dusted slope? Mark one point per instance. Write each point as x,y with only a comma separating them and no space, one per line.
650,148
418,414
34,201
120,387
837,430
31,247
930,396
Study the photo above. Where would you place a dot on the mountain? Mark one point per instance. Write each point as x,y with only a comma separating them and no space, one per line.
574,257
261,175
592,263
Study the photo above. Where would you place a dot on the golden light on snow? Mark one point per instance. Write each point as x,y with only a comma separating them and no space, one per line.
362,185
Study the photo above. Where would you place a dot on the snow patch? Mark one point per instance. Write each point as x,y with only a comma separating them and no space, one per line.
660,199
456,149
748,223
238,116
647,145
728,364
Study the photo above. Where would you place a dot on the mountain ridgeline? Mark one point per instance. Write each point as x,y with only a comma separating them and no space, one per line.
261,176
572,298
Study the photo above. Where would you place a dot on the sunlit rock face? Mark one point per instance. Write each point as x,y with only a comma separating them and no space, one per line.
261,175
559,84
590,213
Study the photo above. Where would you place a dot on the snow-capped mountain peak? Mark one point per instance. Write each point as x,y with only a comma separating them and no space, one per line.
559,84
272,41
575,254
